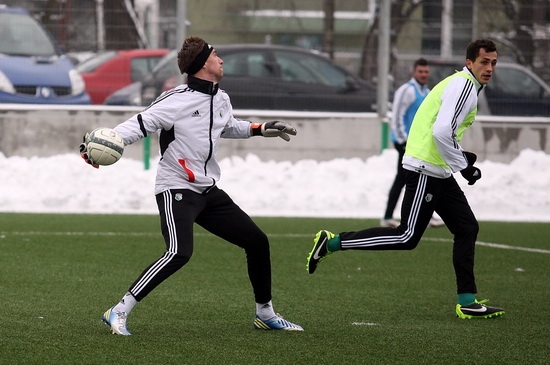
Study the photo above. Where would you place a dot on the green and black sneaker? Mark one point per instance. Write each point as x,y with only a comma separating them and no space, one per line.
319,251
478,310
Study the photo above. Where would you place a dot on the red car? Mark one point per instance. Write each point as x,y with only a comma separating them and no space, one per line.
111,70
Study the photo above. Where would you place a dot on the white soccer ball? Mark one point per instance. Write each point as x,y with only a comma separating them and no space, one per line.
105,146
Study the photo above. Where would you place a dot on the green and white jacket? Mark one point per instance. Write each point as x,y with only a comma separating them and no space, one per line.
449,109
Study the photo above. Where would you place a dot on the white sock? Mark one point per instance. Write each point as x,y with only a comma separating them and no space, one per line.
126,303
265,310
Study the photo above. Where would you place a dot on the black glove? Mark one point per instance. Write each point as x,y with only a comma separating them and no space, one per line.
273,129
472,174
471,157
83,148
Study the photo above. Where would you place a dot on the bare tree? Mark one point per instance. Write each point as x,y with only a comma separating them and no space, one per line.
120,31
401,11
328,33
521,14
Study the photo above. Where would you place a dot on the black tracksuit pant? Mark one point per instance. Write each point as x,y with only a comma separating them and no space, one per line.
398,183
217,213
423,196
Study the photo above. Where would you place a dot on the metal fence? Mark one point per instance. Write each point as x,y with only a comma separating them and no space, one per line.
426,27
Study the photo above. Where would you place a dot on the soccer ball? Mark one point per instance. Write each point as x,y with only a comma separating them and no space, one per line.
104,146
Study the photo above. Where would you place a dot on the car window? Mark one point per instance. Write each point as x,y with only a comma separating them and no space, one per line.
249,64
21,35
309,69
93,63
167,66
440,71
141,66
514,82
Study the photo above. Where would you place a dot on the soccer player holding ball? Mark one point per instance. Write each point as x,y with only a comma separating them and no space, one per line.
432,155
192,118
102,147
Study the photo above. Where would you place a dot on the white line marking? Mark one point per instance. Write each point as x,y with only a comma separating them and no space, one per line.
3,234
38,233
364,324
494,245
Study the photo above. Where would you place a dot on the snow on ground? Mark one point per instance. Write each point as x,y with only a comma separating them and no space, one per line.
355,188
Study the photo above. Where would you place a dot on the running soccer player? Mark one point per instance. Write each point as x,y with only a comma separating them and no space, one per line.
432,155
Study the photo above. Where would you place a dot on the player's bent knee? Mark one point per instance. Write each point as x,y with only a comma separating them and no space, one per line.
469,230
179,260
410,244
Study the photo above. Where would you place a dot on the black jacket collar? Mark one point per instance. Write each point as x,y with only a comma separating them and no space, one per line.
203,86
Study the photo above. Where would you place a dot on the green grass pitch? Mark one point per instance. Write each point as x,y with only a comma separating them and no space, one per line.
59,273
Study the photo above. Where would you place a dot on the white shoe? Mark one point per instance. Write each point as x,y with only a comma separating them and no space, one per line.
389,223
276,323
435,222
117,322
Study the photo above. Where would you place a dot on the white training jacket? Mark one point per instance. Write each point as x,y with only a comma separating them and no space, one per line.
191,119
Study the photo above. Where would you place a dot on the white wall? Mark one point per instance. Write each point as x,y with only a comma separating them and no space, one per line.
32,130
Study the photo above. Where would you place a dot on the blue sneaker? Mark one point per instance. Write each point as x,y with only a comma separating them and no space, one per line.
117,322
275,323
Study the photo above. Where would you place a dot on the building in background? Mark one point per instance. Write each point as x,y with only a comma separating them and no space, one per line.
422,27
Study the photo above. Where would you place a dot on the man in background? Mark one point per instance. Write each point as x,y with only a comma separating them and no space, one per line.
406,101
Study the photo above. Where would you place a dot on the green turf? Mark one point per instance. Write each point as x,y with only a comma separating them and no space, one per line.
59,273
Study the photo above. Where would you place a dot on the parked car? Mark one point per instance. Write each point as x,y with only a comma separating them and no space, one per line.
514,90
109,71
32,67
268,77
